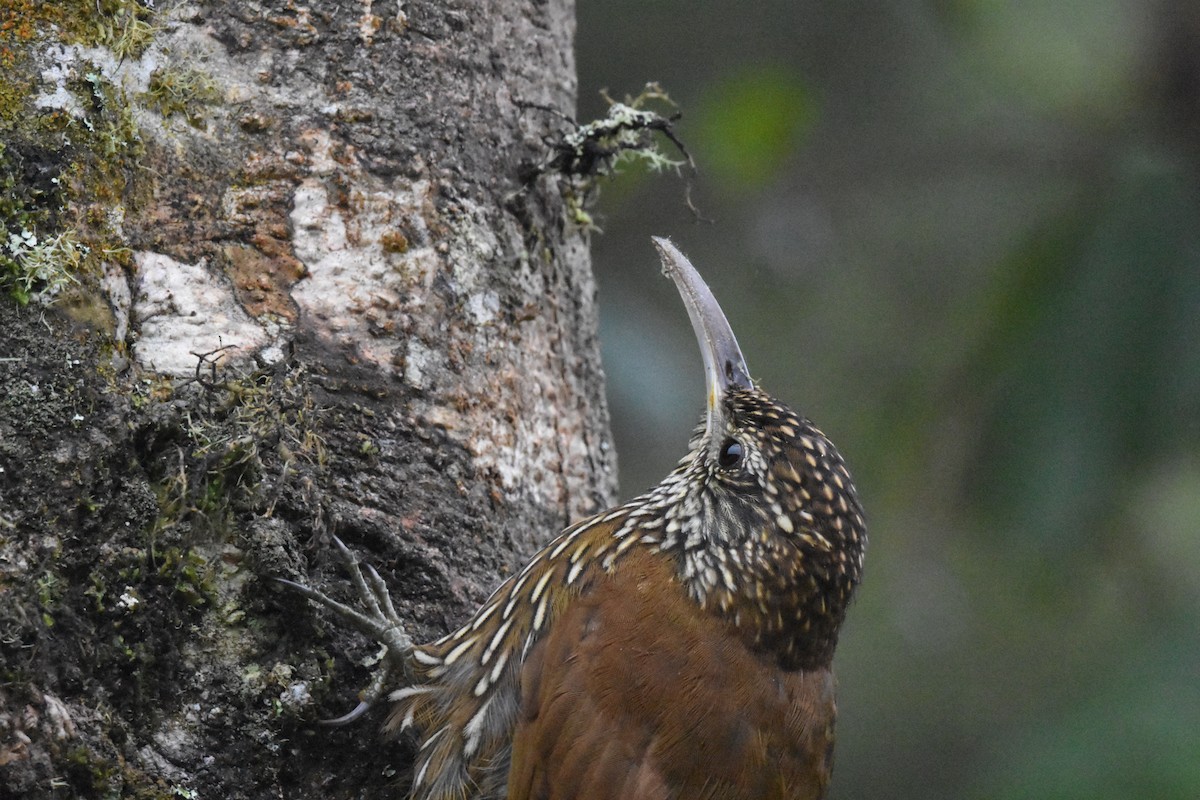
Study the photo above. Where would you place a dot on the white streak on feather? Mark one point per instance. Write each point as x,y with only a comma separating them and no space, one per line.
515,596
540,586
563,545
425,658
454,654
485,612
532,563
432,738
409,691
539,615
471,731
625,545
500,662
421,773
495,642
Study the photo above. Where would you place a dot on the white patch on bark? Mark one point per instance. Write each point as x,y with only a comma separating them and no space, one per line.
116,288
58,59
65,62
407,312
418,363
182,309
355,289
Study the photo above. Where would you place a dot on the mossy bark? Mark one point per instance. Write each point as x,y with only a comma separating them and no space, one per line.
313,283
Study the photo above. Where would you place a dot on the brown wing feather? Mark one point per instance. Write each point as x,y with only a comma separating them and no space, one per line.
637,694
465,697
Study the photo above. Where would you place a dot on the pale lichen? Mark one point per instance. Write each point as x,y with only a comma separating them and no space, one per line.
40,268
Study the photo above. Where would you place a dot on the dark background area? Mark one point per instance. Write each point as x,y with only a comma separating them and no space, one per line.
963,237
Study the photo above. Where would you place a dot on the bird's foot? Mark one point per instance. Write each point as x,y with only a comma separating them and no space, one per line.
378,620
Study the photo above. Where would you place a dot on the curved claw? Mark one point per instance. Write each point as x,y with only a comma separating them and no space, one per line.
346,719
378,620
367,697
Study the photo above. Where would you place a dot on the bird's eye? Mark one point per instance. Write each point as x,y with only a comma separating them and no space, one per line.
731,454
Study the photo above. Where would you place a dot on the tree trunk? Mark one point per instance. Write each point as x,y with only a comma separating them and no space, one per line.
274,272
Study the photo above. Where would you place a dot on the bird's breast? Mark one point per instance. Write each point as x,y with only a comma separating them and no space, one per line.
637,693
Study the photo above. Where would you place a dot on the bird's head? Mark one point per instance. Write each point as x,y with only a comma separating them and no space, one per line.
762,510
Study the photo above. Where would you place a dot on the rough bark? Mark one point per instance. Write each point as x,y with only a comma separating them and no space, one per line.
308,281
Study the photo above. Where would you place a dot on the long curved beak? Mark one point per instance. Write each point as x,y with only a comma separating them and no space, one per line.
724,366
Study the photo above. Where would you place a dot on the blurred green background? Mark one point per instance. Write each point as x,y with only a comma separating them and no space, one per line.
964,237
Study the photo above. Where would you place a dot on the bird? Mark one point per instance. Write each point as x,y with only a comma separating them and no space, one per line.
677,646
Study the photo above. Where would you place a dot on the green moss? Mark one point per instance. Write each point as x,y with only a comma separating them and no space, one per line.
112,138
233,427
49,590
26,208
193,577
59,168
15,91
49,593
91,774
56,172
86,771
181,91
96,591
126,27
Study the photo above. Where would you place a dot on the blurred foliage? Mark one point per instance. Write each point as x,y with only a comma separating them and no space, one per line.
1075,56
1117,306
750,124
975,262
